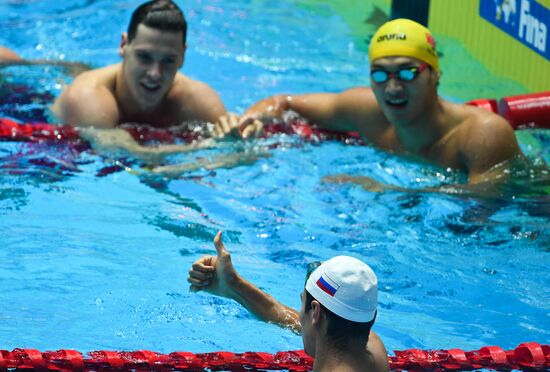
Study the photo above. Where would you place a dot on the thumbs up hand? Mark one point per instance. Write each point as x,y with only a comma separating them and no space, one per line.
214,274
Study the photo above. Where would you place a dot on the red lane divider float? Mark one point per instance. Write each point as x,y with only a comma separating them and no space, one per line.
11,130
43,133
36,132
527,356
523,111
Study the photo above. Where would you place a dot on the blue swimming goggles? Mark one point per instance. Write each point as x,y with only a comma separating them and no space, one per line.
404,74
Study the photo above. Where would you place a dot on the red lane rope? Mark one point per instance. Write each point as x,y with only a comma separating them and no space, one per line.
522,111
11,130
36,132
527,356
529,111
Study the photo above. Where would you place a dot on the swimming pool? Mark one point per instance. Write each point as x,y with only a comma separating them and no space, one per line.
91,262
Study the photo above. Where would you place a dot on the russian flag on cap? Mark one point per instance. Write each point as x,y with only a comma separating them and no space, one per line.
327,285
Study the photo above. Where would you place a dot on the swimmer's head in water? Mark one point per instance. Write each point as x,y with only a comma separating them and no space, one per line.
404,38
162,15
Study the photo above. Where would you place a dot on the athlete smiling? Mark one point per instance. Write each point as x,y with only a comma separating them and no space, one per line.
402,112
145,88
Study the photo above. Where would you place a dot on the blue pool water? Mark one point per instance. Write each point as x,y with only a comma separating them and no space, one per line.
89,262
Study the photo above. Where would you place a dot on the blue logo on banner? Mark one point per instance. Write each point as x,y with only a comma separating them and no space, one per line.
525,20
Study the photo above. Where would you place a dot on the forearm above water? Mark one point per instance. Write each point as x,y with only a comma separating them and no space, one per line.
264,306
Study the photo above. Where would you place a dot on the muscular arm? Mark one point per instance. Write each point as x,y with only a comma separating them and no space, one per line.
216,274
73,68
263,306
346,111
119,142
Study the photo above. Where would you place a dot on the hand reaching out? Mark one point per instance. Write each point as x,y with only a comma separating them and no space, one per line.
367,183
238,127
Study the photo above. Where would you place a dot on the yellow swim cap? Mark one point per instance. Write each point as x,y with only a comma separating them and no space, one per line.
404,38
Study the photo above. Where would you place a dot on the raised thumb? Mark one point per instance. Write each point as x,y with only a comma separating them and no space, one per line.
220,248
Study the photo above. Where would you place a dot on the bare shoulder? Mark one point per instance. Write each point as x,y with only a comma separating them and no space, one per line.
195,100
89,100
93,80
483,128
187,88
485,141
378,351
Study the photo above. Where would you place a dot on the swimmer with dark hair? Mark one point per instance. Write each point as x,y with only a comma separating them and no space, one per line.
339,308
145,88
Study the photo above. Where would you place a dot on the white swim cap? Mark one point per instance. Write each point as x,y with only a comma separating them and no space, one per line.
346,286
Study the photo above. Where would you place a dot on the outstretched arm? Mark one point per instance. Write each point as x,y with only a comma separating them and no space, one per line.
12,59
226,161
372,185
342,112
216,274
119,142
487,185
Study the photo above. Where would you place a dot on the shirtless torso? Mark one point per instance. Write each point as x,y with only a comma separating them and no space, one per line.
145,88
93,100
427,127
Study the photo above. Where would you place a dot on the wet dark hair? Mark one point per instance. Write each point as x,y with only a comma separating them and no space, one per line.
163,15
341,331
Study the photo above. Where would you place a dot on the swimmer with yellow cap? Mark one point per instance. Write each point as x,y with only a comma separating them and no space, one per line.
402,112
400,51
